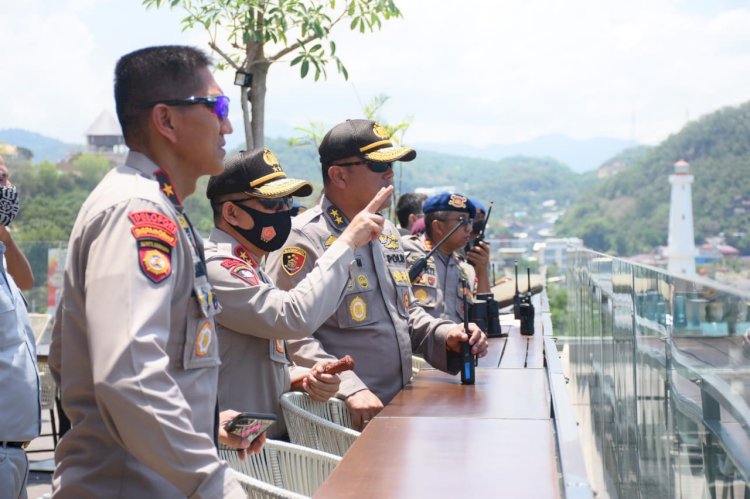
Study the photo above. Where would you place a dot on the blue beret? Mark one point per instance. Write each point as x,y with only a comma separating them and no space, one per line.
478,205
449,201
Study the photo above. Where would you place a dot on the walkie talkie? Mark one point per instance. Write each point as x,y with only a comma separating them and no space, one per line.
467,358
527,309
517,298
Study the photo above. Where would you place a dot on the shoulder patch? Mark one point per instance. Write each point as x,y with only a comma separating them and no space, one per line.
245,273
293,259
155,263
153,225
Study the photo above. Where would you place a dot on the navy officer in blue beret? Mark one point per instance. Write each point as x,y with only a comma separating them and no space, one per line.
448,274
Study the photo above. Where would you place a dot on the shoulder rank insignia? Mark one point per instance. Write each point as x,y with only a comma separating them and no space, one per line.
243,254
293,259
337,219
155,235
241,270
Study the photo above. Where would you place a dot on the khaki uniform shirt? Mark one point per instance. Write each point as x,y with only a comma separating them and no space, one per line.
440,288
257,317
377,323
135,351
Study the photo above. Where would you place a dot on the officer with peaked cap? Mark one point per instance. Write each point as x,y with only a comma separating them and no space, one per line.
377,321
252,201
448,275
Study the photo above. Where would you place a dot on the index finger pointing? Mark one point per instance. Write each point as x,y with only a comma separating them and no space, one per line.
379,200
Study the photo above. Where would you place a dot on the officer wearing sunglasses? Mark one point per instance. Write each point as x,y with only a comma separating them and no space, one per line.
377,320
252,200
134,347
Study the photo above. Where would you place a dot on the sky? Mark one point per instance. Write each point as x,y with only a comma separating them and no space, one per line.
474,72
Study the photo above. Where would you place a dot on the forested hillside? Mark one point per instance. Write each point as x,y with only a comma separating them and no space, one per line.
629,213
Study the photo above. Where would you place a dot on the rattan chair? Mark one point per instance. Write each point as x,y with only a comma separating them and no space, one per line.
417,363
326,426
281,469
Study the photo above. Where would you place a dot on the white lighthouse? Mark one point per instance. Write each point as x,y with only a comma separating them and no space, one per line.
681,246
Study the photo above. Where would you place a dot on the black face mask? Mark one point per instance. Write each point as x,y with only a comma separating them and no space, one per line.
270,230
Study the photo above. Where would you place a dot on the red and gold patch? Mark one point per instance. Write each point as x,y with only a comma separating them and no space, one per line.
155,235
155,264
293,259
241,270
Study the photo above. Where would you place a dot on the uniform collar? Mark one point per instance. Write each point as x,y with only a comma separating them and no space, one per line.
149,169
229,243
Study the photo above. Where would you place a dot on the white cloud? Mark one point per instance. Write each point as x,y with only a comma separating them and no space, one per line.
476,72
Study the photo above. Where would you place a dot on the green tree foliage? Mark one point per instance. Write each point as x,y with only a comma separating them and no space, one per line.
241,31
629,213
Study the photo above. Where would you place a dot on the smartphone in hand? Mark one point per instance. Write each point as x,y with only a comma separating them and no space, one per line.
250,425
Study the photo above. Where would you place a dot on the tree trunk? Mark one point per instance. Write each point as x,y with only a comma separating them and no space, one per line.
258,103
244,91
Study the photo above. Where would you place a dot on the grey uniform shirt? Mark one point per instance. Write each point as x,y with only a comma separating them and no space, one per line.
377,322
134,349
257,317
440,288
20,418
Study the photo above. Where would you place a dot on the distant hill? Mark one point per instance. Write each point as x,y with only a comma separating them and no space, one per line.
43,148
629,213
580,155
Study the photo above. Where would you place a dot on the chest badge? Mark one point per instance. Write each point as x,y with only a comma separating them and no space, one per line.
358,309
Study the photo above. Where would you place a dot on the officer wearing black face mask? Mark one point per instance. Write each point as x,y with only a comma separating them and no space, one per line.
251,201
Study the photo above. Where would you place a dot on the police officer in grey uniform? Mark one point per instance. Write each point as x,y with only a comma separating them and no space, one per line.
440,288
251,200
20,416
134,345
378,322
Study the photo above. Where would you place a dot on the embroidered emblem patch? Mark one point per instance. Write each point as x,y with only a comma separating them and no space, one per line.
270,159
203,340
153,225
389,240
329,241
358,309
336,218
421,295
267,234
362,280
457,201
293,259
400,276
406,300
155,264
380,131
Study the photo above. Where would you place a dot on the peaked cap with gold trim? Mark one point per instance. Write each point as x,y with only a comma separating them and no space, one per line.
364,138
255,173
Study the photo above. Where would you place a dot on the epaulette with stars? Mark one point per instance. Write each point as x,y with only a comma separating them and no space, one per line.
165,185
335,216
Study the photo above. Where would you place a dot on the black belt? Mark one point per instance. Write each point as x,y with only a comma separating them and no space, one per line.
19,445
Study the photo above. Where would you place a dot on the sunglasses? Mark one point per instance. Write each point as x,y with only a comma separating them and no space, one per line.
275,204
372,165
218,103
464,221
